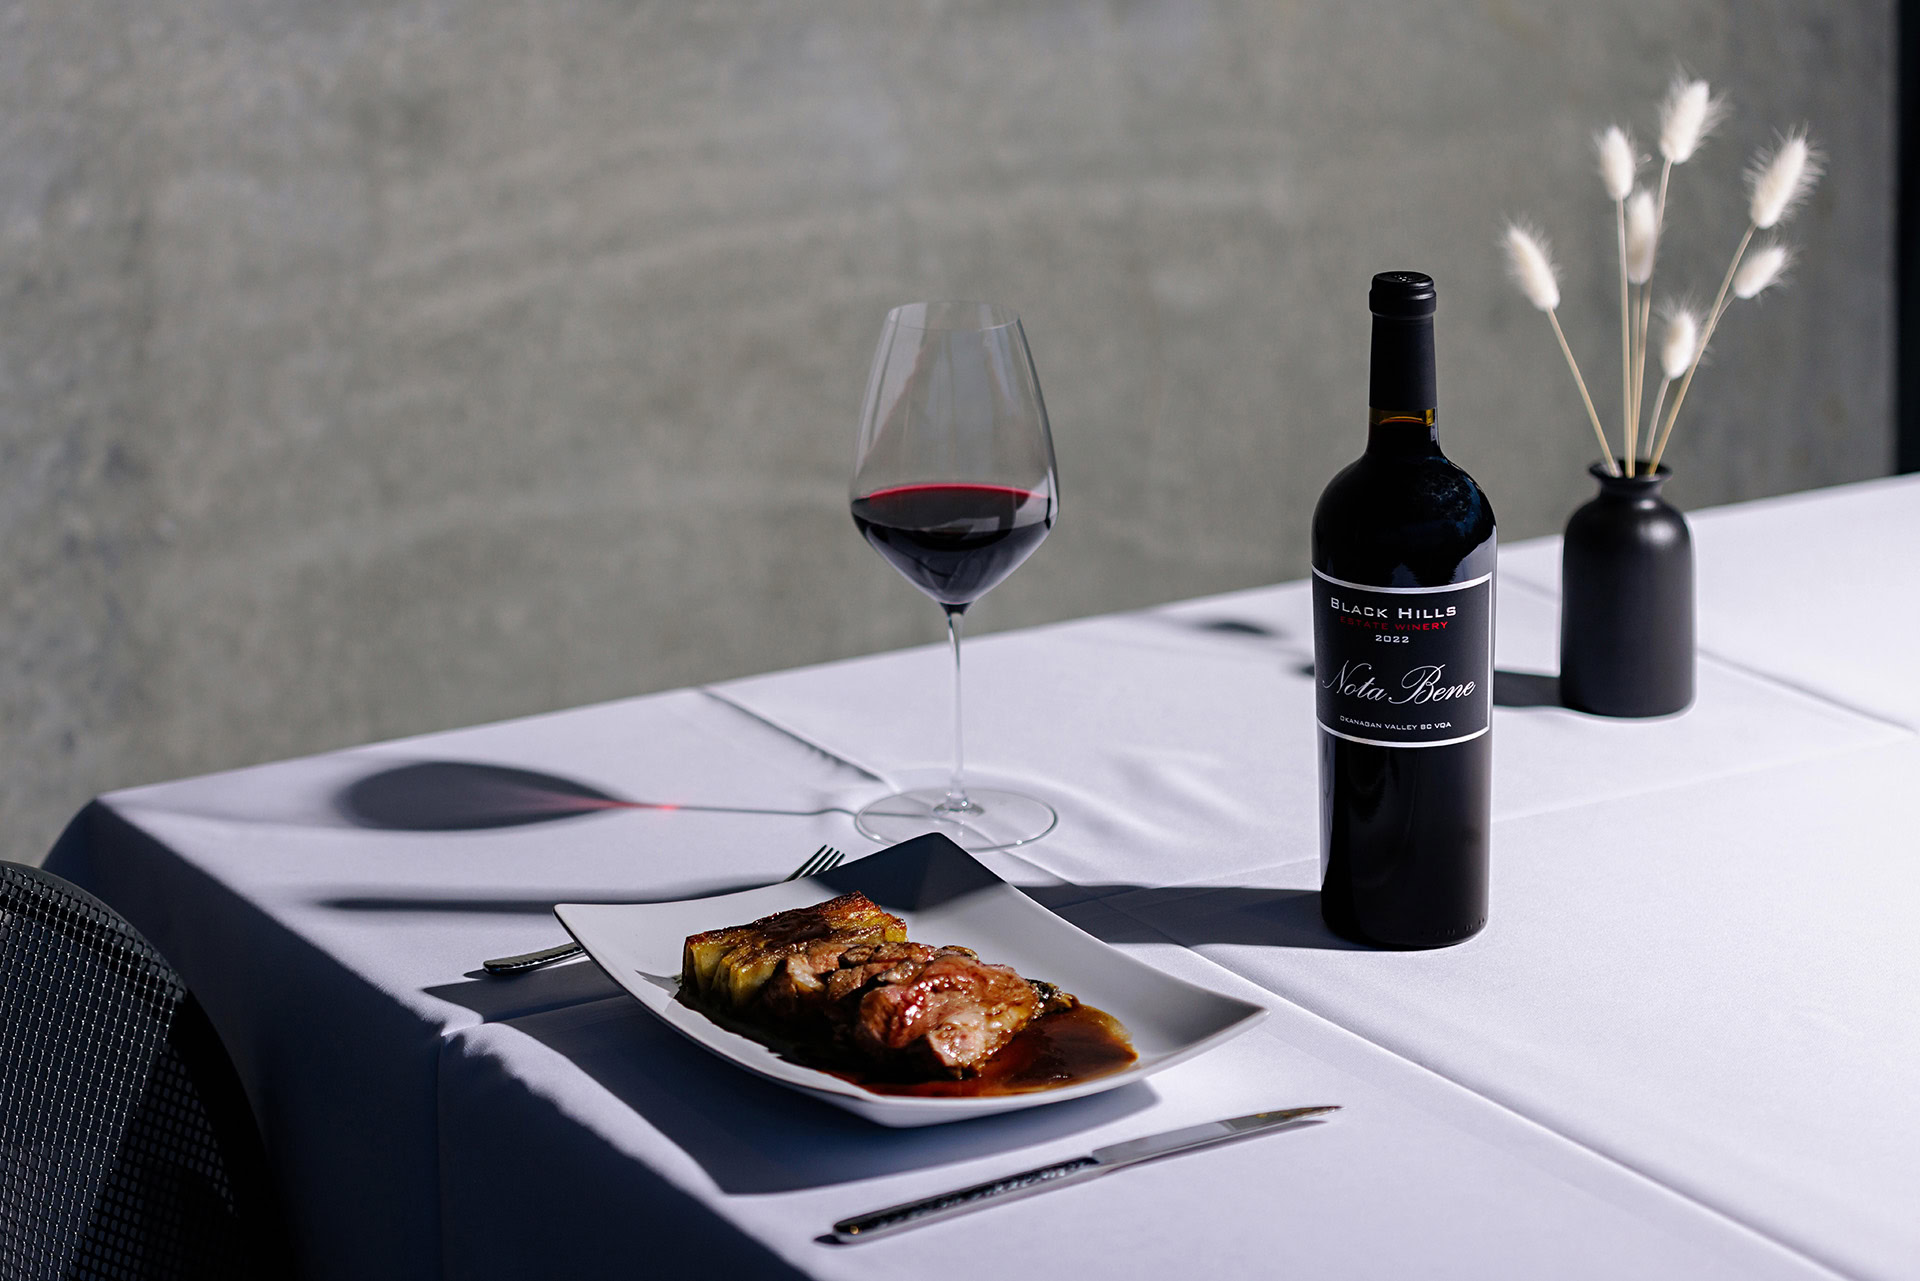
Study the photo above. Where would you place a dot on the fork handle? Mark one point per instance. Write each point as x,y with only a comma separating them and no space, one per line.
531,960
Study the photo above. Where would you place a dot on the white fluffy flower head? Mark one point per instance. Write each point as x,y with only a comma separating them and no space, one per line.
1617,161
1691,112
1779,182
1643,236
1530,263
1763,267
1682,341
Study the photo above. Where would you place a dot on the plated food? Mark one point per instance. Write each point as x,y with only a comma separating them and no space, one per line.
942,894
838,985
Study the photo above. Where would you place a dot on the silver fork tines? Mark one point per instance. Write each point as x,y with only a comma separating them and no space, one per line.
824,859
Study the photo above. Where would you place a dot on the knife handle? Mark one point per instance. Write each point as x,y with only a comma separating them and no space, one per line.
949,1204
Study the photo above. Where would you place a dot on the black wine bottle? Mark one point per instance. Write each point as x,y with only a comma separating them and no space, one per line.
1403,559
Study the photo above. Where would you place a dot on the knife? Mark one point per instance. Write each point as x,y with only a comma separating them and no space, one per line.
1077,1170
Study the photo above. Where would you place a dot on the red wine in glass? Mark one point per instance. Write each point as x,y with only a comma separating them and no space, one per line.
953,484
955,542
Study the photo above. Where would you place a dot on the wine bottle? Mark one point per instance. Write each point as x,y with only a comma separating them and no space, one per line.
1403,560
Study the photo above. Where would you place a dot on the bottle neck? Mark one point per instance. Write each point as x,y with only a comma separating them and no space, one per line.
1401,387
1401,432
1401,373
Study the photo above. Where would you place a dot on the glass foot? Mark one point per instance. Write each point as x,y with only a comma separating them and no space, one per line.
996,819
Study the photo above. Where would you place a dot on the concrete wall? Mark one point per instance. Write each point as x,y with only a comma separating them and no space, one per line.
373,366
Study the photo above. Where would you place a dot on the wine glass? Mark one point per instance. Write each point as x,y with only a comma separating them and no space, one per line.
953,484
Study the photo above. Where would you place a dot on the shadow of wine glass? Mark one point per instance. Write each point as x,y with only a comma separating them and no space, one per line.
466,796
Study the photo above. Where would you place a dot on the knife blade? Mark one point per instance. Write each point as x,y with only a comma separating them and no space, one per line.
1106,1160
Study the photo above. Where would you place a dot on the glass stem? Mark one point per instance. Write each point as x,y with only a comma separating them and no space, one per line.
956,801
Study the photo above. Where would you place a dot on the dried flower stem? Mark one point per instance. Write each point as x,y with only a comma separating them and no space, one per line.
1606,451
1646,311
1713,322
1626,336
1659,396
1641,323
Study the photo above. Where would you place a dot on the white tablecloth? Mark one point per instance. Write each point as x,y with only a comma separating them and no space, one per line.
1682,1047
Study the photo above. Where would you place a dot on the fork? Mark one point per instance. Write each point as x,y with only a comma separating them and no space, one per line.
824,859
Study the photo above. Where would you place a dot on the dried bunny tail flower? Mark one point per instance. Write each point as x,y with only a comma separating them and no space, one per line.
1617,162
1531,266
1689,115
1763,267
1530,263
1681,352
1643,236
1781,181
1682,341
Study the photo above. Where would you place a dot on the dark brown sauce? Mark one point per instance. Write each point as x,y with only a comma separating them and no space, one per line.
1056,1049
1062,1048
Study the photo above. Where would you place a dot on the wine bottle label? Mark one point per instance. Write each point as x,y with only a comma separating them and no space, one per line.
1403,666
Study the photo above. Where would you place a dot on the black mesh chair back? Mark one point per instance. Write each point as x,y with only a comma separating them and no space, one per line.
127,1149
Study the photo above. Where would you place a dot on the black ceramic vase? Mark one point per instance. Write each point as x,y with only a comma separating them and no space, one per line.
1626,601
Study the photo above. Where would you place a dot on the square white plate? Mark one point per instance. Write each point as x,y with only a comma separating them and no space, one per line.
945,896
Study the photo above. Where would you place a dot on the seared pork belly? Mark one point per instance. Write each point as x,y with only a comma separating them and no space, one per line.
727,968
947,1014
840,982
815,984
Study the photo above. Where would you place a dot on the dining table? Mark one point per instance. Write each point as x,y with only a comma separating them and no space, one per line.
1686,1044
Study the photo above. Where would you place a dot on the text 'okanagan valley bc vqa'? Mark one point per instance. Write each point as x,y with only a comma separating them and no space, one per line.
1403,561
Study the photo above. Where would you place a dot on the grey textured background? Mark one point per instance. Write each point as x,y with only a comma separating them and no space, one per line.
374,366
